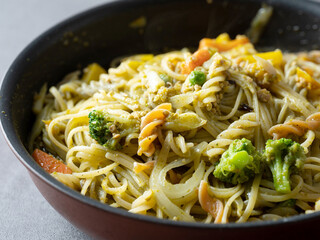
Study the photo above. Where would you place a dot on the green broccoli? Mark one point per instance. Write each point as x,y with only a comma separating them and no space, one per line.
283,157
108,129
288,203
166,78
239,163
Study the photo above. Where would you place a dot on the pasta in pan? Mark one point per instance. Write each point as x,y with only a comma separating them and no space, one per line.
187,136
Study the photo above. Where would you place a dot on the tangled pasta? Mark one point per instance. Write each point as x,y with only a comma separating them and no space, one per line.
188,136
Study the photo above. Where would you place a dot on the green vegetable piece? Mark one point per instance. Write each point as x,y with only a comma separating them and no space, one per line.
288,203
240,159
99,130
212,51
239,163
99,127
283,157
197,77
165,77
108,129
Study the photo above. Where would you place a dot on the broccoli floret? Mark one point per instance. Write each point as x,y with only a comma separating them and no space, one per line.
283,157
108,129
288,203
239,163
99,129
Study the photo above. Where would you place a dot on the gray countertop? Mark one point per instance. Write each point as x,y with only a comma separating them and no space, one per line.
24,213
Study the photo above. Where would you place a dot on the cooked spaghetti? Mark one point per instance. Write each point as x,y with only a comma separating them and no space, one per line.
189,136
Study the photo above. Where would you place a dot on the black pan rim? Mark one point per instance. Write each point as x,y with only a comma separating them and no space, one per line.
25,158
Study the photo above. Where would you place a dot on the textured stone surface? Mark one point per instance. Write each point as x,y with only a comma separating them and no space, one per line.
24,213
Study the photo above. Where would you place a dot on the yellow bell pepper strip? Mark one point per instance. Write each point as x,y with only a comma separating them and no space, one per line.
305,80
275,57
92,72
223,42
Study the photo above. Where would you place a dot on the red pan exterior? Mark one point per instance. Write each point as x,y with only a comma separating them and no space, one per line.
105,225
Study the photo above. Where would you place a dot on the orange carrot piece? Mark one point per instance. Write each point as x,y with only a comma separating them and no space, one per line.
211,205
223,46
49,163
195,60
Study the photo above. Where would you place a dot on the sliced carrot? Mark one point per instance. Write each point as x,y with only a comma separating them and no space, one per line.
223,46
49,163
195,60
211,205
222,43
